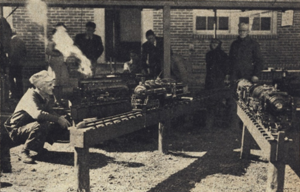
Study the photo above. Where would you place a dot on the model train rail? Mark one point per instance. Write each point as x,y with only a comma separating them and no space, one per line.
269,115
92,131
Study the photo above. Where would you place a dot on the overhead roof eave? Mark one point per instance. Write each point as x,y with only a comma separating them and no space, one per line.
189,4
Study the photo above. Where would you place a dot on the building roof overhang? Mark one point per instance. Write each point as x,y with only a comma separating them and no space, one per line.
180,4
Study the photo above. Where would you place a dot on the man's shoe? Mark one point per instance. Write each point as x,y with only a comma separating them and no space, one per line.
26,158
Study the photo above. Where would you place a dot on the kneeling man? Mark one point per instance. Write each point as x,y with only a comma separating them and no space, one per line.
29,124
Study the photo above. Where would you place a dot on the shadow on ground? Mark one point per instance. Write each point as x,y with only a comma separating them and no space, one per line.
218,143
220,158
5,184
97,160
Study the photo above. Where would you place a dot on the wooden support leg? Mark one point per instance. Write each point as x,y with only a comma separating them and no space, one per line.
162,136
294,151
276,170
246,143
275,180
81,163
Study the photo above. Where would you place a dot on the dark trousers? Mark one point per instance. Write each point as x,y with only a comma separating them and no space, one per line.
16,87
33,135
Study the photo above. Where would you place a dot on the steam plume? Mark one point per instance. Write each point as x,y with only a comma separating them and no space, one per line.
37,11
65,45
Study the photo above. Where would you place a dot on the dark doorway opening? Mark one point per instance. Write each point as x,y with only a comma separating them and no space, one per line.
122,33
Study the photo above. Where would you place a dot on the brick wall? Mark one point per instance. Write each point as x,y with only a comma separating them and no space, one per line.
281,50
31,33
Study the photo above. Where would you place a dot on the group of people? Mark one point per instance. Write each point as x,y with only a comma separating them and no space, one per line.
30,122
33,118
12,57
245,61
150,61
151,58
90,45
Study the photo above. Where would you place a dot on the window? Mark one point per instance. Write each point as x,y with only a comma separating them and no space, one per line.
207,23
258,23
261,22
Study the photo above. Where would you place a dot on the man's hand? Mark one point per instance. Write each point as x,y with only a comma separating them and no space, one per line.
64,123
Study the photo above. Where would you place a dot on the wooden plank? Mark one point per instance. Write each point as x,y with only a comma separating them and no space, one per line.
276,169
81,163
246,143
96,136
192,4
294,148
167,42
254,131
273,151
77,137
163,127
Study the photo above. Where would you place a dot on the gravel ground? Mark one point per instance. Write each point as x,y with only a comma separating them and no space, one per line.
199,160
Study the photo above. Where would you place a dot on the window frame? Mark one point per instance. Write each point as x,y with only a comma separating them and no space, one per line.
233,20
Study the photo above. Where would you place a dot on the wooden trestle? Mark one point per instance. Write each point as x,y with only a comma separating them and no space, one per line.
274,147
111,127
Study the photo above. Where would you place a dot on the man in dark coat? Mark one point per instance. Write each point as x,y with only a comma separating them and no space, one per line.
246,61
152,55
90,44
216,70
216,65
17,57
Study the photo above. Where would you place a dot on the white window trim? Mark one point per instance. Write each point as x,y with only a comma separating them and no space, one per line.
234,20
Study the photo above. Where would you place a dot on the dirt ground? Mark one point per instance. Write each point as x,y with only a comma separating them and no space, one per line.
199,160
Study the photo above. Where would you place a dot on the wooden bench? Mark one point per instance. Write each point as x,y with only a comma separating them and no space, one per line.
274,149
111,127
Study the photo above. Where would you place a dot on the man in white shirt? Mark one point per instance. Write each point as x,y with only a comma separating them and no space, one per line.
134,65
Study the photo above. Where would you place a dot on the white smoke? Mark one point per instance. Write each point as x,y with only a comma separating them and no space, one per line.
64,43
37,11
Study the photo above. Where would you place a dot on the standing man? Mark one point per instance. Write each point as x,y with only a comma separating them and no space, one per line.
30,122
246,61
90,44
17,57
216,65
152,55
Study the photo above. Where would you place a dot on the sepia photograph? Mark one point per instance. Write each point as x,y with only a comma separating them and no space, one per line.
150,95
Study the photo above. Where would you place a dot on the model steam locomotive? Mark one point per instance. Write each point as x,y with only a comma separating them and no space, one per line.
153,94
271,107
100,97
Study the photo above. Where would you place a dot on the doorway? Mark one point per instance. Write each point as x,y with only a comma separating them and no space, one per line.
122,33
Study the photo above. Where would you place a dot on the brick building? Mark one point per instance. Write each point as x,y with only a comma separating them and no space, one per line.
279,44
